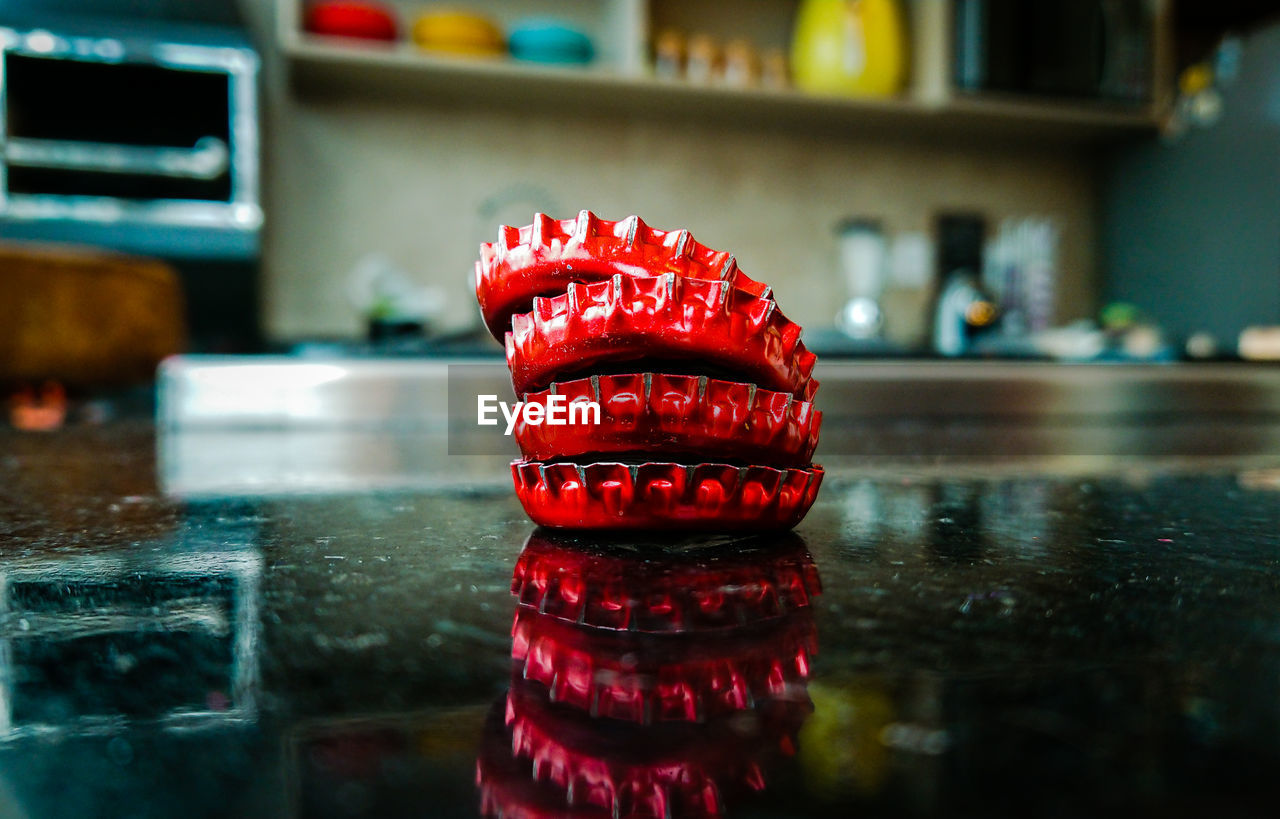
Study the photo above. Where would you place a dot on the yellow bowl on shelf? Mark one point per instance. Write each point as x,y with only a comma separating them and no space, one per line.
458,32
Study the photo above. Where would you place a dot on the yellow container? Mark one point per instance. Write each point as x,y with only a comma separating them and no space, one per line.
458,32
850,47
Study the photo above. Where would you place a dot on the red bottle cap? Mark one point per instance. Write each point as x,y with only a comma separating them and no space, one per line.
709,324
673,414
713,496
742,581
546,256
651,678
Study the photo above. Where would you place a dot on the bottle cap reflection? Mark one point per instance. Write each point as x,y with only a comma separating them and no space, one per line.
707,589
650,681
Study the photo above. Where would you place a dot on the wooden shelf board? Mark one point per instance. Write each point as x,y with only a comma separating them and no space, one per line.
328,65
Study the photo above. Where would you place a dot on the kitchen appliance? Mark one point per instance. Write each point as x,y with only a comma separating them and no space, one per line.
135,135
963,308
863,254
1099,49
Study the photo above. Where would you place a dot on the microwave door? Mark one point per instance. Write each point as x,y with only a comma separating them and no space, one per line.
208,159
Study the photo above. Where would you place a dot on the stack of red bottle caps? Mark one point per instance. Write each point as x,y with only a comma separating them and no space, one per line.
650,686
704,388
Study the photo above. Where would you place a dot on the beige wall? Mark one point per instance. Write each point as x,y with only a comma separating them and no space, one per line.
345,176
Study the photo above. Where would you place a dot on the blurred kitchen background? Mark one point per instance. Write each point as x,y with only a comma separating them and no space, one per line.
1066,180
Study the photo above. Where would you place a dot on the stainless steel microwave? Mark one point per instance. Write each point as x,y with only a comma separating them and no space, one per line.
144,141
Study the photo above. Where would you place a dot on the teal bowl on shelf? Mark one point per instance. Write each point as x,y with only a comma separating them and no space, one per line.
549,41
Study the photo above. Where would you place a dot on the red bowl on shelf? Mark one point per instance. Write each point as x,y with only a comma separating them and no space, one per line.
352,18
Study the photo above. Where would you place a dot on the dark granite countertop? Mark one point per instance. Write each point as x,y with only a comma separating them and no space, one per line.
1020,641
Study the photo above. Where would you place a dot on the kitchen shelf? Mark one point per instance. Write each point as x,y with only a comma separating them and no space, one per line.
319,64
622,88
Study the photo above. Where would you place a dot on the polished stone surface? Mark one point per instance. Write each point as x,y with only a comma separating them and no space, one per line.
1020,639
